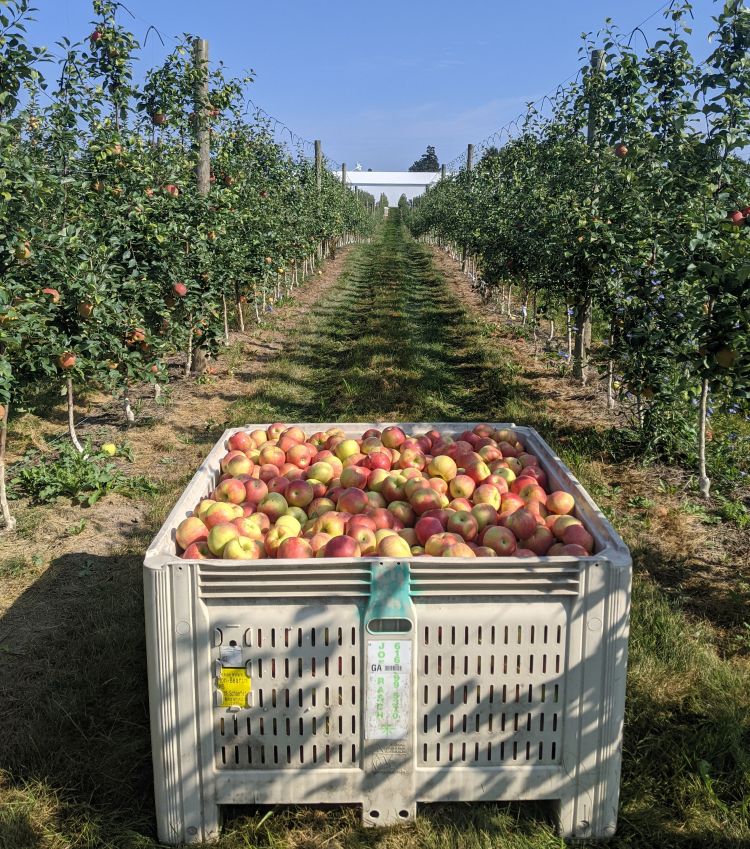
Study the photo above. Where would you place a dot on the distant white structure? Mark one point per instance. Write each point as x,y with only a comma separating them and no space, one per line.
392,183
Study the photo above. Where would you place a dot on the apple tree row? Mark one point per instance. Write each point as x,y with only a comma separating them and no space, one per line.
111,259
629,200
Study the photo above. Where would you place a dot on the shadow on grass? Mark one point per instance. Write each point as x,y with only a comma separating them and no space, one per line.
73,697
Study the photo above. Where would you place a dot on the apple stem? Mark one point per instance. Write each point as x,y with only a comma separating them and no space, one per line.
704,482
71,418
9,522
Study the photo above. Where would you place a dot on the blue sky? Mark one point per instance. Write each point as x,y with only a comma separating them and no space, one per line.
378,82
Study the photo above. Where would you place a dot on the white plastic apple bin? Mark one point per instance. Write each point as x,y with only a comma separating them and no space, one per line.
387,682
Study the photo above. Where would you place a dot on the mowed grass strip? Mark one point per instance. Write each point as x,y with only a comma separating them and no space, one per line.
390,342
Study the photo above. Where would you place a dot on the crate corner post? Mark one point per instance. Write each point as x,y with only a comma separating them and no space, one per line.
185,812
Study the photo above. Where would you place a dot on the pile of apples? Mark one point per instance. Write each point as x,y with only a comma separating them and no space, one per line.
287,495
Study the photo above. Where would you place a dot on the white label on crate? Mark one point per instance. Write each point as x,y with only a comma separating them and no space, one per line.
231,655
388,689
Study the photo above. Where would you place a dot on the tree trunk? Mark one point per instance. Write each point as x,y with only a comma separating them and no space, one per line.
129,414
71,418
226,318
200,361
583,339
238,304
568,331
704,482
610,375
9,523
189,357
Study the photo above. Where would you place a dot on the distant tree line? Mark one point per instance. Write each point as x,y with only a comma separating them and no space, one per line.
428,161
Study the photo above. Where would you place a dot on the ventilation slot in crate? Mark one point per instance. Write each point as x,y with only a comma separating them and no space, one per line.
219,581
490,691
444,579
305,704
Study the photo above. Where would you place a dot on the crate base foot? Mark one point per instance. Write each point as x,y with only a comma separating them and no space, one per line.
375,814
573,818
208,831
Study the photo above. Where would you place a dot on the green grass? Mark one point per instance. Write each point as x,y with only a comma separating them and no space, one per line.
390,342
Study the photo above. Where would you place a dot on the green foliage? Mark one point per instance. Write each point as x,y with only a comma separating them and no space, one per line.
101,210
84,478
641,230
76,528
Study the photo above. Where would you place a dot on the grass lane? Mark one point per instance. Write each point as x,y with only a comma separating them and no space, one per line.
390,342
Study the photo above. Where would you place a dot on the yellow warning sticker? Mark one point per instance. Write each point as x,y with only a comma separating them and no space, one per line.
234,684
